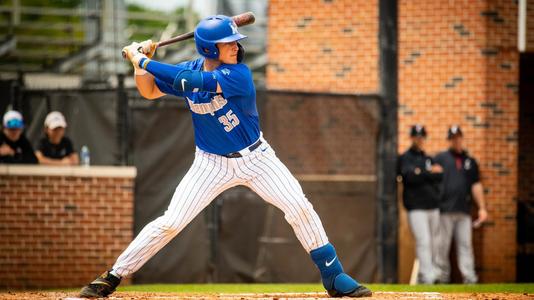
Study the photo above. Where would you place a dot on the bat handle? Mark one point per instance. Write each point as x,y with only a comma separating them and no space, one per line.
154,46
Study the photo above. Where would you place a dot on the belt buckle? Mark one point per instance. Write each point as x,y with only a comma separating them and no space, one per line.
233,155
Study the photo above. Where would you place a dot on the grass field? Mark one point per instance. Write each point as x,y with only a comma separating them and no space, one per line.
290,292
304,288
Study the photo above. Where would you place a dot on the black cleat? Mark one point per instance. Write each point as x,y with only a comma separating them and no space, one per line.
360,291
101,287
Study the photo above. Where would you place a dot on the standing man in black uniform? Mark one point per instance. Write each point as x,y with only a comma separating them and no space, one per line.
421,178
461,183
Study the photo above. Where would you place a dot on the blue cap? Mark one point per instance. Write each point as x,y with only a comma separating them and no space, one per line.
13,120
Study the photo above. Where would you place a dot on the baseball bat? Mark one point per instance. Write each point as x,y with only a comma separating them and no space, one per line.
240,20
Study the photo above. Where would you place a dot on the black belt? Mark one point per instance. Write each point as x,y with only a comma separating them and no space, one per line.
237,154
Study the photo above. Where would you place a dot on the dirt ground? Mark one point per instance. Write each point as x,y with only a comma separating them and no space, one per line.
270,296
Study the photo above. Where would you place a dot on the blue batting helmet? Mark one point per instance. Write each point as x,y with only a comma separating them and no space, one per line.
213,30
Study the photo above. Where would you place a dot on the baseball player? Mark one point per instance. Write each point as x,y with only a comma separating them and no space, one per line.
421,178
462,186
230,151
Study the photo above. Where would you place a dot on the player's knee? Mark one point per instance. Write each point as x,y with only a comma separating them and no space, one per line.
301,211
166,225
290,218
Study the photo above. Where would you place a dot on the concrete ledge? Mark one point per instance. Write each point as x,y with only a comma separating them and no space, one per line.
74,171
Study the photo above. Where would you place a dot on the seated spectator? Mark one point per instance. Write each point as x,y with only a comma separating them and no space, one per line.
55,148
14,146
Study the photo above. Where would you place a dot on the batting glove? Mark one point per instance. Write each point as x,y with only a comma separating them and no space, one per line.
134,52
148,48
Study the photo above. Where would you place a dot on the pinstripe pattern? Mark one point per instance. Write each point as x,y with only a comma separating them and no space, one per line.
209,176
270,178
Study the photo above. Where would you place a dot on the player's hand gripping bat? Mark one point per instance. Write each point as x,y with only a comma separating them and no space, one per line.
240,20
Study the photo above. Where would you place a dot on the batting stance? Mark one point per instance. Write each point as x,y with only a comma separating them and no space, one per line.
230,151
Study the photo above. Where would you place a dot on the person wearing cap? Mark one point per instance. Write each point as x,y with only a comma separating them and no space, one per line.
14,146
55,148
461,184
421,178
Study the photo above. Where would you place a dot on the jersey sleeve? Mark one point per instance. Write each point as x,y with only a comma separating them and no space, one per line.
474,173
167,88
235,80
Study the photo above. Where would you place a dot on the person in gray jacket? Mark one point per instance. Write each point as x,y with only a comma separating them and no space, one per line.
461,184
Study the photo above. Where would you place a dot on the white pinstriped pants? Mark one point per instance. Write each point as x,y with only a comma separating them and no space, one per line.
209,176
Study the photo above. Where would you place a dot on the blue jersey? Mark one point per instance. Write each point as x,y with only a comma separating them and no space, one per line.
226,122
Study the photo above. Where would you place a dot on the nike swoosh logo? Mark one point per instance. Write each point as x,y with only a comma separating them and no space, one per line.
183,83
329,263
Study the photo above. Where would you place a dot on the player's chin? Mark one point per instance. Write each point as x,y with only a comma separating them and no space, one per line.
231,60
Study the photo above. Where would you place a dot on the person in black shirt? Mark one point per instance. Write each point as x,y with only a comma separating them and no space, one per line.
14,146
421,178
461,183
55,148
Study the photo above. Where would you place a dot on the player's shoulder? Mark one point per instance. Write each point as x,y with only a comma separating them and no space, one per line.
239,69
469,156
195,64
403,155
441,155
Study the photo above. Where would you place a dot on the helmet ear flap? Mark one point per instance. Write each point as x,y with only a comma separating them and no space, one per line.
240,52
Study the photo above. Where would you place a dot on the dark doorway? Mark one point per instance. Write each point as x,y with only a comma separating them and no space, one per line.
525,209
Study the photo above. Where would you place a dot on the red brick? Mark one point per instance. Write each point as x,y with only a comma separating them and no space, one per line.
45,236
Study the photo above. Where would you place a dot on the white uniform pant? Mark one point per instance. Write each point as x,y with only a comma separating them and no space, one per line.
210,175
424,224
457,226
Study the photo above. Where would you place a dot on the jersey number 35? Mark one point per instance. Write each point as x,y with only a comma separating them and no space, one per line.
229,120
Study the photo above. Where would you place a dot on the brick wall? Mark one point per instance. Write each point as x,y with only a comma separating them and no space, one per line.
61,231
334,39
458,63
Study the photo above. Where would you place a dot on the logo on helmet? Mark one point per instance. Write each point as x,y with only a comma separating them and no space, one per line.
234,27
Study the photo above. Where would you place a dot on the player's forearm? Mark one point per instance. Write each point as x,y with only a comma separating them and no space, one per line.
162,71
478,194
147,86
43,160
